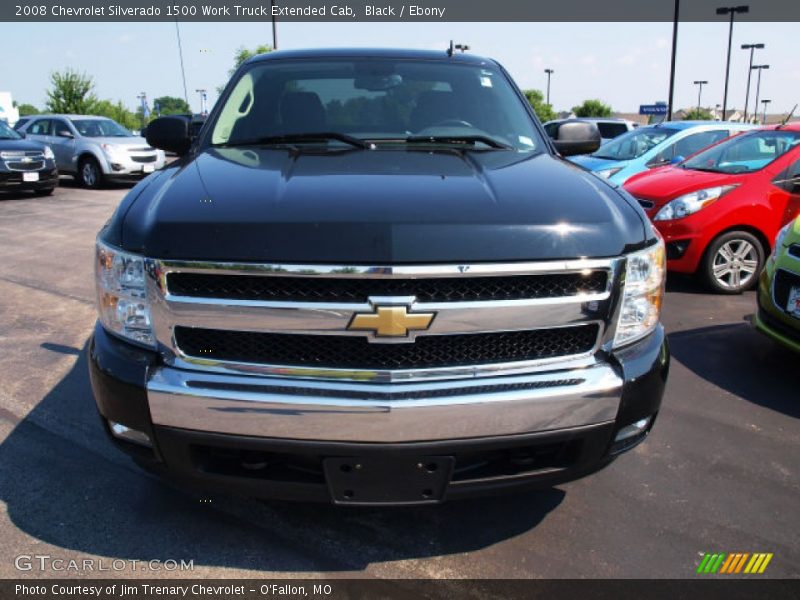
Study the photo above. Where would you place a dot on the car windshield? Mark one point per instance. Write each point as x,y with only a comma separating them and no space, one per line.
6,133
744,153
100,128
385,101
634,143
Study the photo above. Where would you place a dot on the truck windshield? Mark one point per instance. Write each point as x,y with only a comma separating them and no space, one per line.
383,101
745,153
100,128
634,143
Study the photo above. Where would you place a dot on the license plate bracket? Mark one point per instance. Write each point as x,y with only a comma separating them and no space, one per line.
30,176
388,480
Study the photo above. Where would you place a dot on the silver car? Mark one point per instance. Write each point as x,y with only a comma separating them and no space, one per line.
94,149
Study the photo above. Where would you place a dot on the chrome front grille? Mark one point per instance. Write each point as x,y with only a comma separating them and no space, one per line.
293,320
24,160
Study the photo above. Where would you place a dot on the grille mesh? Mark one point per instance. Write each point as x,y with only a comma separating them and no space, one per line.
444,289
325,351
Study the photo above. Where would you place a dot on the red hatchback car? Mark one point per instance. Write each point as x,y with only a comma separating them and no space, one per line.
720,209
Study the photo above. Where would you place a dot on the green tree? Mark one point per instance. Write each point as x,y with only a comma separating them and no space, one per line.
118,112
242,54
71,92
698,115
170,105
592,108
27,109
544,111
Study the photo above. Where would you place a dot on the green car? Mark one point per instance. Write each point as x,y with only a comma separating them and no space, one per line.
779,289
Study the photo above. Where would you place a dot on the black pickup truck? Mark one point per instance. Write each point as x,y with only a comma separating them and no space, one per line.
372,279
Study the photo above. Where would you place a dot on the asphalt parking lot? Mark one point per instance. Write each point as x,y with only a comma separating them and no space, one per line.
719,472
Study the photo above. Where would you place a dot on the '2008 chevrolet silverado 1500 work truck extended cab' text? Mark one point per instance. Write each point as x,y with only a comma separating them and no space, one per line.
372,279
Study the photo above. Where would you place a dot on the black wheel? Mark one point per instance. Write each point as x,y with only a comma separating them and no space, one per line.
733,262
46,192
89,173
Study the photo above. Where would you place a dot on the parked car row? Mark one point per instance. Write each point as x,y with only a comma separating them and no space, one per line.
719,194
93,149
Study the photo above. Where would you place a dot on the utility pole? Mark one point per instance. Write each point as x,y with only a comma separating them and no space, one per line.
549,73
765,102
700,84
750,47
732,11
758,85
672,59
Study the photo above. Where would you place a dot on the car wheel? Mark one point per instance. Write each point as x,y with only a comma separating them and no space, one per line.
89,173
733,262
46,192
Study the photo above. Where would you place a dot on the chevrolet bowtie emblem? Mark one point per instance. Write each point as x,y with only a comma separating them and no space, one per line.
391,321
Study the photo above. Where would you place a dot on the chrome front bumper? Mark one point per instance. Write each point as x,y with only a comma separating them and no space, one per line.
386,412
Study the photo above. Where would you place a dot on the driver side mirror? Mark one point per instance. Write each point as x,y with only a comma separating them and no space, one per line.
577,137
170,134
65,133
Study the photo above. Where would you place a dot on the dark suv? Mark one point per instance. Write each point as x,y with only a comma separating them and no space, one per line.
372,279
25,165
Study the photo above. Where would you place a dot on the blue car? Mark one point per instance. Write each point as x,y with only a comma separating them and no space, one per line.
654,146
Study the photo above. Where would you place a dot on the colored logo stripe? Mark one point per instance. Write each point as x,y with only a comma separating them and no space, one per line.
719,562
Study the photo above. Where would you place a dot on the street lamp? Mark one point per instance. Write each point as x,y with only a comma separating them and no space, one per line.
758,84
142,97
700,84
765,102
203,97
462,47
729,10
549,73
750,47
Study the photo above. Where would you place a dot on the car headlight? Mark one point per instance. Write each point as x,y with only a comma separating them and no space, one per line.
645,275
690,203
111,150
779,239
607,173
48,153
121,295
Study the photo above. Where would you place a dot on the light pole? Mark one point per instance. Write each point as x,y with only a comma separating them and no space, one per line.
750,47
765,102
274,26
700,84
142,97
203,97
672,59
729,10
758,84
462,47
549,73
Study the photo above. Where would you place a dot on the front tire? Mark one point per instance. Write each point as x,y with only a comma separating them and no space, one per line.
89,173
45,192
732,262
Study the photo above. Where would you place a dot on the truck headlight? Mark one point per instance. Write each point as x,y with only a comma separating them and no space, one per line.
645,275
121,294
690,203
48,153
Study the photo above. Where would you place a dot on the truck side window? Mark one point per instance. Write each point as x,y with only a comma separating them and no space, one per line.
41,127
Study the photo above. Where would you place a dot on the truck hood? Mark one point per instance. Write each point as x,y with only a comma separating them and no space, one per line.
370,207
592,163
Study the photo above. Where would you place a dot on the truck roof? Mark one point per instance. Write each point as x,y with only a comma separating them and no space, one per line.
372,53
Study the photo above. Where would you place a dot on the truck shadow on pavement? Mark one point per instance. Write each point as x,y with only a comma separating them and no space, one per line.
739,360
65,485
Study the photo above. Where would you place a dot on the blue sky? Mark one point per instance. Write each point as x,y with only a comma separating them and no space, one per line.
624,64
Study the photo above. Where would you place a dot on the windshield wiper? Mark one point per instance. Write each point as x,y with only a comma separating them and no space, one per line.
294,138
457,139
